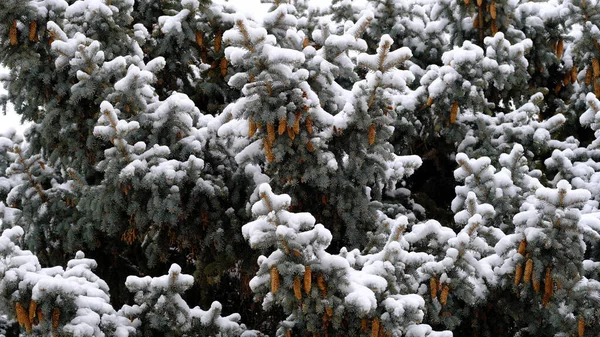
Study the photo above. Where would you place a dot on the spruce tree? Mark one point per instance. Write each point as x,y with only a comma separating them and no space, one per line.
372,168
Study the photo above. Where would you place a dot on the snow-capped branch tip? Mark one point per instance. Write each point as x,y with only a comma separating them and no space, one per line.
384,60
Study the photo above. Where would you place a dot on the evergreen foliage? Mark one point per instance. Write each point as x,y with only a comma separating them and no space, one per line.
370,168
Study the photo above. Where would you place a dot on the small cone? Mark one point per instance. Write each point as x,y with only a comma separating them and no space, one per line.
476,22
528,270
282,126
309,125
33,37
479,2
291,134
453,112
467,2
567,79
297,123
581,327
329,311
55,318
305,43
218,41
372,133
321,285
433,287
274,279
271,132
522,247
12,33
429,101
493,10
251,127
494,27
444,295
268,151
518,274
363,324
32,310
375,327
297,290
223,66
307,279
536,283
596,67
588,76
22,317
310,147
574,74
199,39
548,287
560,47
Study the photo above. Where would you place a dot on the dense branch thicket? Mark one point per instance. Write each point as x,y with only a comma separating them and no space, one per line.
371,168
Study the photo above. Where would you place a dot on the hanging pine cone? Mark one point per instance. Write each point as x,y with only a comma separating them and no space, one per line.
433,287
307,279
493,10
536,283
321,285
268,151
22,316
453,112
251,127
32,310
494,27
309,125
12,33
282,126
375,327
271,133
589,75
528,270
55,318
560,47
372,133
297,290
291,134
548,287
297,122
33,37
274,279
518,274
218,40
199,39
444,295
522,247
223,66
